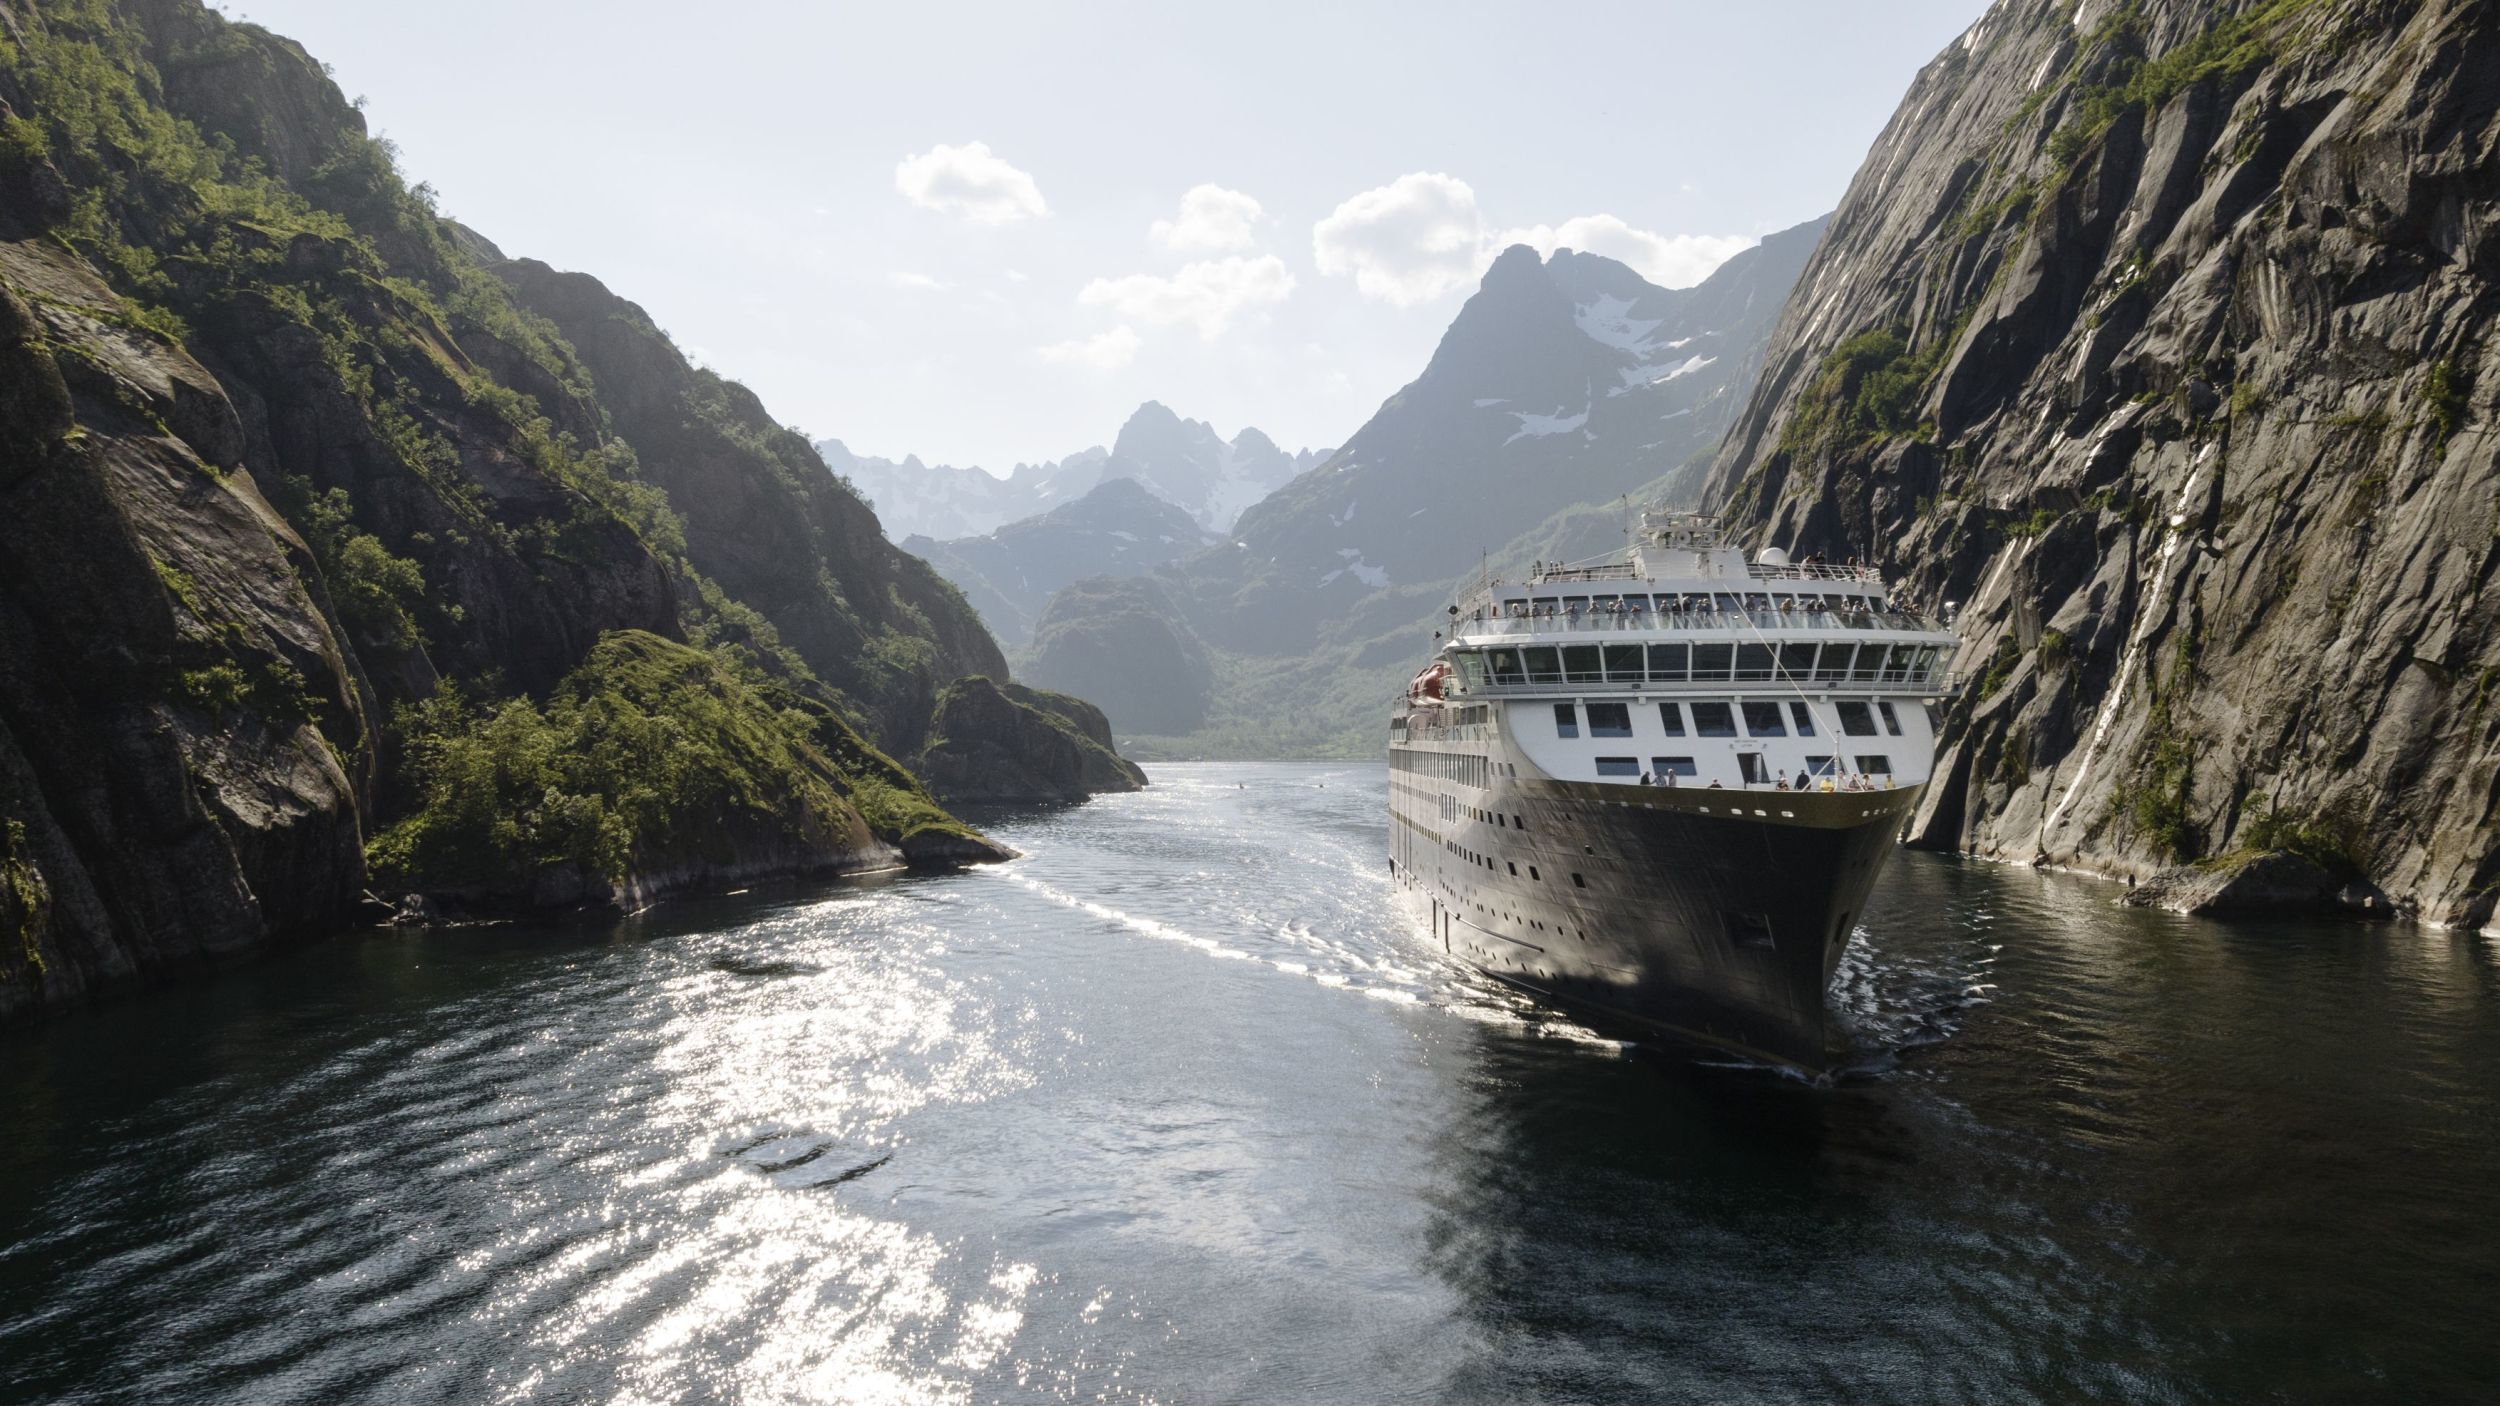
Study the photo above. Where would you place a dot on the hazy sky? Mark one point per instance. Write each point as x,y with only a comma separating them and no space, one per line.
985,233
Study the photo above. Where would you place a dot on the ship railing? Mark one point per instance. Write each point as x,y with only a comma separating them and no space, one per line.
1927,684
1604,622
1811,571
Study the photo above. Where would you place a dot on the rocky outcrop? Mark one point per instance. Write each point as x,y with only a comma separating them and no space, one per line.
2158,337
1125,645
2253,885
1010,744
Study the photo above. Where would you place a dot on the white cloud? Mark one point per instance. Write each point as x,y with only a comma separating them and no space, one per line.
1103,351
1668,260
968,181
1211,219
1013,275
1406,242
918,282
1207,295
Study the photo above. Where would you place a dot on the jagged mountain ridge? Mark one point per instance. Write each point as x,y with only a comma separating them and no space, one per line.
1120,528
1185,462
1561,381
2159,336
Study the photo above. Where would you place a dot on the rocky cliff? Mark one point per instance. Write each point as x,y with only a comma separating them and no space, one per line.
2158,337
1000,744
321,522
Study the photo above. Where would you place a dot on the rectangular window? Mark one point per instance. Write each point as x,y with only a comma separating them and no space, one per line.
1544,663
1716,719
1518,822
1667,663
1834,667
1753,662
1671,717
1870,663
1674,766
1618,766
1580,664
1856,719
1471,668
1763,720
1623,663
1567,719
1892,720
1875,765
1506,668
1610,720
1797,662
1803,716
1532,873
1754,770
1822,766
1710,661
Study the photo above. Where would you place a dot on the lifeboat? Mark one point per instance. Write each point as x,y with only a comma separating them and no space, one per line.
1426,686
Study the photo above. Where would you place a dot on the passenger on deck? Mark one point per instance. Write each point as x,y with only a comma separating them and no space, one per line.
1783,784
1804,782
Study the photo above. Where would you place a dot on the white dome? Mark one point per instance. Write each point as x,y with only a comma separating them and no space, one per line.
1771,556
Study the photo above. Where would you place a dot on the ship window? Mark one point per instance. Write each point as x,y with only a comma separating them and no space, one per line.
1870,663
1835,665
1471,668
1671,717
1532,872
1763,720
1518,823
1544,663
1575,605
1623,663
1579,883
1567,719
1618,766
1856,719
1726,604
1580,664
1505,666
1803,716
1892,720
1797,661
1674,766
1667,662
1926,662
1822,766
1716,719
1875,765
1610,720
1710,661
1514,869
1753,661
1751,767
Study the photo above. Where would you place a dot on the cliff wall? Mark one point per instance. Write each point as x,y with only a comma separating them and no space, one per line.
2157,336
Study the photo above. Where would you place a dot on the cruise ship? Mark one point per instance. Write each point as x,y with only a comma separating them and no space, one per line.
1660,786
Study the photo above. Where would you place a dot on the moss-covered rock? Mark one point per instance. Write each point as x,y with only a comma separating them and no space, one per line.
1007,744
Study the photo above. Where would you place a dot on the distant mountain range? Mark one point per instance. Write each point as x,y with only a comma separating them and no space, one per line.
1564,387
1120,528
1185,462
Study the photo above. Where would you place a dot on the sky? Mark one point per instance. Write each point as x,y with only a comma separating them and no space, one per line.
984,233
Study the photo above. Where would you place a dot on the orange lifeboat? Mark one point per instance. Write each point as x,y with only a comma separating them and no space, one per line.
1425,687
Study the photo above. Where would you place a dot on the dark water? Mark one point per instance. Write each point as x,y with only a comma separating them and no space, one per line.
1178,1110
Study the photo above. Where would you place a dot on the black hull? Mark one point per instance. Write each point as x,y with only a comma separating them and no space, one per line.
1708,915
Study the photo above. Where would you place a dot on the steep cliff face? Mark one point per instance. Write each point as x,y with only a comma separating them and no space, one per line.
2158,336
316,529
764,518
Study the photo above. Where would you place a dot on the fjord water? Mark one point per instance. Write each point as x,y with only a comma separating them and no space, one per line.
1178,1108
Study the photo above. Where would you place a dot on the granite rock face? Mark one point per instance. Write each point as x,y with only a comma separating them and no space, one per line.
2158,338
